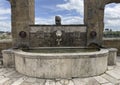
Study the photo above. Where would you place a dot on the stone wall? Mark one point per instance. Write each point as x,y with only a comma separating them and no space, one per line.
112,42
94,19
5,44
22,15
46,35
108,42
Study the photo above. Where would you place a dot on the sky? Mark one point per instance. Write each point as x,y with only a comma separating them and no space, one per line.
71,12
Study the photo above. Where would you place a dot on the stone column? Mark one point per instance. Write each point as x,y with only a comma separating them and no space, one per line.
22,16
94,19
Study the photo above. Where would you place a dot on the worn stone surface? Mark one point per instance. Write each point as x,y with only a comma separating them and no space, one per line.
22,16
94,18
45,35
112,43
8,58
61,65
111,77
112,56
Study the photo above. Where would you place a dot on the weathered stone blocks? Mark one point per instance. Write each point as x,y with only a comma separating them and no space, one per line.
61,65
112,56
8,58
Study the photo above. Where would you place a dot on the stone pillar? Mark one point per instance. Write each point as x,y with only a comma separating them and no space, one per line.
22,16
94,19
8,58
112,56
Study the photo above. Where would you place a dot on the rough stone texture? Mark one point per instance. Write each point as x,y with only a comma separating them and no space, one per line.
8,58
61,65
45,35
5,44
111,77
94,18
22,16
112,43
112,56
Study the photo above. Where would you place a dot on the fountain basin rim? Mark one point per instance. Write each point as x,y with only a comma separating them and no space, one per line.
62,55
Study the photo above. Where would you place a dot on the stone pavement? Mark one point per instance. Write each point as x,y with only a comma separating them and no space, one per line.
8,76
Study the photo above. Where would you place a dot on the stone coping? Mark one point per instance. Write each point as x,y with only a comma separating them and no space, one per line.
58,25
5,40
62,55
111,38
113,49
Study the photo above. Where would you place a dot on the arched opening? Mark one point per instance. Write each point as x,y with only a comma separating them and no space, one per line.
5,20
112,20
71,12
5,16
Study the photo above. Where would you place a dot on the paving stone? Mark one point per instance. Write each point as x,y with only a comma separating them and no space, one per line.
117,70
31,80
9,73
1,69
101,80
9,82
50,82
110,78
118,64
41,81
5,71
35,84
108,84
1,77
3,80
111,67
113,74
26,83
19,81
16,75
58,83
64,82
71,82
85,81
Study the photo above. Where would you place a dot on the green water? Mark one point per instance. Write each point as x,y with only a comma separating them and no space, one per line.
61,50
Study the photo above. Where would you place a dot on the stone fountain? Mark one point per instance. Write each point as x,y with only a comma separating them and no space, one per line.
28,37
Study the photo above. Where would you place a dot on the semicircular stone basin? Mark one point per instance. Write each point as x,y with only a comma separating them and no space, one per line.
61,64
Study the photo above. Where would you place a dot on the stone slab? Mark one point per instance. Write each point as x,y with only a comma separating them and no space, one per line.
19,81
3,80
85,81
101,80
113,74
110,78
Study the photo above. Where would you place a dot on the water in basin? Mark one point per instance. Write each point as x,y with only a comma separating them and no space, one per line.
61,50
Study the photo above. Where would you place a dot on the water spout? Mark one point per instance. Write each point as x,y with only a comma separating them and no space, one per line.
59,37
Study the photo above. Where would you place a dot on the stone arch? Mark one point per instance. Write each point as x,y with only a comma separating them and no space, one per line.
22,15
94,18
113,21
